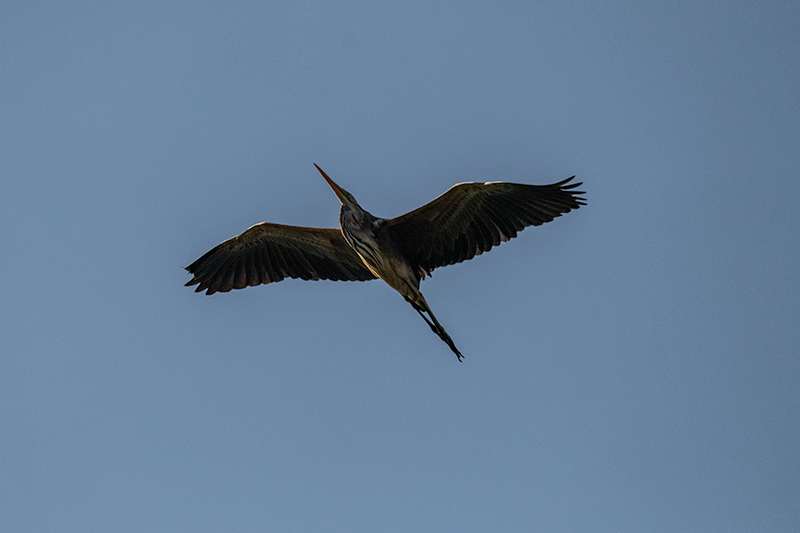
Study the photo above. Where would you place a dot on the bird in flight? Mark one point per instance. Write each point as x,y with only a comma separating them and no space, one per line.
465,221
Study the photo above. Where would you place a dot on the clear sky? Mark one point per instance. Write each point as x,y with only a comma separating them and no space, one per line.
632,366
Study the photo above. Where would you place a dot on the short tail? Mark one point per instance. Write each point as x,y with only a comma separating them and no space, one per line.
435,326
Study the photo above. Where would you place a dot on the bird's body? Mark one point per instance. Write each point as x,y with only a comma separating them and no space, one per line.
469,219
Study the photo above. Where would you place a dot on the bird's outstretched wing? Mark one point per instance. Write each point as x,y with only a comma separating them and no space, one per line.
471,218
267,253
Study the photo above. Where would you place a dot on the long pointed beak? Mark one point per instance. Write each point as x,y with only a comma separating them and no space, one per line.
336,189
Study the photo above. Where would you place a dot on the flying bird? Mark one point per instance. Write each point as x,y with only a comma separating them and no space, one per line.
465,221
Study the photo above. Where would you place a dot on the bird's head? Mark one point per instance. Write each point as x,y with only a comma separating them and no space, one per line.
345,197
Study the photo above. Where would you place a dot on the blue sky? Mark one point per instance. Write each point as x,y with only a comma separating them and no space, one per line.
632,366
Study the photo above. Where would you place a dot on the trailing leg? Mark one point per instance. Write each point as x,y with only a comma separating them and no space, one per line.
437,328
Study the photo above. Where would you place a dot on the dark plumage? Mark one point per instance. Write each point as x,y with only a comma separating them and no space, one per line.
267,253
465,221
471,218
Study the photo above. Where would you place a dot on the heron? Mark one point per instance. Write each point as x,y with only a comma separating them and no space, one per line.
465,221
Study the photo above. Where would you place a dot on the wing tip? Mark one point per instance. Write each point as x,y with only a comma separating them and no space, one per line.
568,187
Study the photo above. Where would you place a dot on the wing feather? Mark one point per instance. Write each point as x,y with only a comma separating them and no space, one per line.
268,253
472,218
